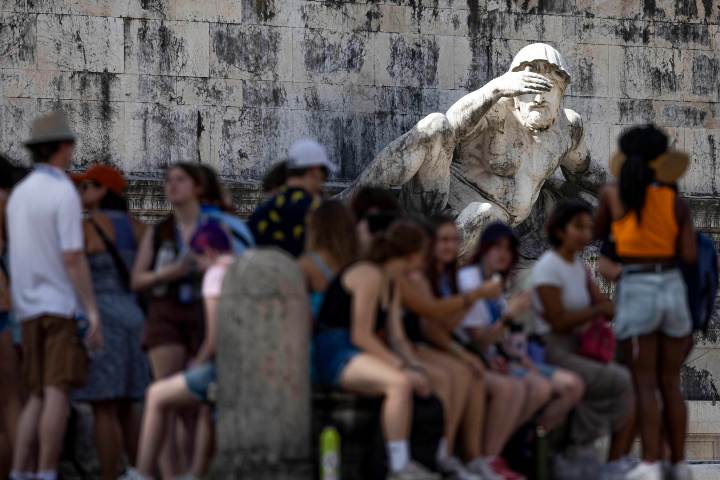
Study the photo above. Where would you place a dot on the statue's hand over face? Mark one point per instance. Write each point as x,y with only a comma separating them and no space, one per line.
522,82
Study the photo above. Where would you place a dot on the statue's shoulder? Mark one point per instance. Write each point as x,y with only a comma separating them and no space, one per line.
573,118
574,126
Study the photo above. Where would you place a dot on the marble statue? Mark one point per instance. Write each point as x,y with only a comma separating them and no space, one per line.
489,155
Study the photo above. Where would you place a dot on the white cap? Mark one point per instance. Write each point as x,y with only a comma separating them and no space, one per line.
306,153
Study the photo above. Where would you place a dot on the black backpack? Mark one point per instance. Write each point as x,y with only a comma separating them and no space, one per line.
701,280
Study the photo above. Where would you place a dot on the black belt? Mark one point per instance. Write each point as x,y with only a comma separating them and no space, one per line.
650,268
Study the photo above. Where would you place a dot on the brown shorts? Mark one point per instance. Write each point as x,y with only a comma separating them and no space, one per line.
171,322
53,354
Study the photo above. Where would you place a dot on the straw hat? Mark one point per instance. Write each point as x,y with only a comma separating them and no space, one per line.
52,127
668,167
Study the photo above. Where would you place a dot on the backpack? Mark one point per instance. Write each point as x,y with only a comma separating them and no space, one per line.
701,280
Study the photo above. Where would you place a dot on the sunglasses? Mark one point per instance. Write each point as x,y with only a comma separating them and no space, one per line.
86,185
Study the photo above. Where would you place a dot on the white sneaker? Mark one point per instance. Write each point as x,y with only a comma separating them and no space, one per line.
453,468
681,471
646,471
618,469
132,474
480,467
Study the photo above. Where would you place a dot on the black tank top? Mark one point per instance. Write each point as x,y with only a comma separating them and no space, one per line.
413,330
336,310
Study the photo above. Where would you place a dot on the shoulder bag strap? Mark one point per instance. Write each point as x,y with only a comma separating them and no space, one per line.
113,251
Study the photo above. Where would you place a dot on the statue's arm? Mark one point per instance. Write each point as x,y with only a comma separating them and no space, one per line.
467,113
577,165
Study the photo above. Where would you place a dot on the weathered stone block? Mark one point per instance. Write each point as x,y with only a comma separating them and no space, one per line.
229,11
285,13
167,48
324,56
78,85
615,32
443,21
18,38
12,5
324,15
66,42
156,9
610,8
148,88
250,51
702,176
164,135
238,146
590,71
100,127
209,91
16,114
264,427
414,60
95,8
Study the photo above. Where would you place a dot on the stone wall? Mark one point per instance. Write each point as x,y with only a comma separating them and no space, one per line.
232,82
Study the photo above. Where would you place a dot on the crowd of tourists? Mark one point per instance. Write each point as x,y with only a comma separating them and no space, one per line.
98,307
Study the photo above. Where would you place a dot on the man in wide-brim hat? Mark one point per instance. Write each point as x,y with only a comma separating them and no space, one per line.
51,286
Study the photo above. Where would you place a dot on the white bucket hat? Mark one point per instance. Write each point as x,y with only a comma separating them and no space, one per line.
307,153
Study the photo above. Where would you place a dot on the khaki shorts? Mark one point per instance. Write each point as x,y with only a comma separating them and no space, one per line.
53,354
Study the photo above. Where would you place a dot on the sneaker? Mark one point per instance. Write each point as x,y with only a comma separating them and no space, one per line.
452,467
646,471
618,469
681,471
481,467
132,474
414,471
567,467
500,467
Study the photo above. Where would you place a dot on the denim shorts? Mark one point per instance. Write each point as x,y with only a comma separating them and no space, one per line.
652,302
201,381
332,351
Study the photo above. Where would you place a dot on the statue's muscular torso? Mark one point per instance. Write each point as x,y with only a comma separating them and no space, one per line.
504,163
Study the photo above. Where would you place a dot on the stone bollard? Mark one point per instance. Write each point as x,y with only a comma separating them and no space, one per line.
263,400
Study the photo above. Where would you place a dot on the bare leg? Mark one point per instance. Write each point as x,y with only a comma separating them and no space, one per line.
167,360
163,396
204,443
5,455
538,392
108,438
671,358
370,376
9,388
507,397
642,356
53,423
567,389
460,378
130,416
23,460
419,161
474,419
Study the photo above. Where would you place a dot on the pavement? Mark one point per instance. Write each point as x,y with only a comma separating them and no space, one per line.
706,471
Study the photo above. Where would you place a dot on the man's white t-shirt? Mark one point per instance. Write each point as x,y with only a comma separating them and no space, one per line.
44,220
571,278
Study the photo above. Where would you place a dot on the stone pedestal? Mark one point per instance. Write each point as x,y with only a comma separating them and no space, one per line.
264,423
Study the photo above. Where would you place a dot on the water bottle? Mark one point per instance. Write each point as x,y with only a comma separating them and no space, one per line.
165,256
329,454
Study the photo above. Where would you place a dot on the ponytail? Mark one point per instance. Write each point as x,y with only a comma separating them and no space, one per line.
635,176
402,238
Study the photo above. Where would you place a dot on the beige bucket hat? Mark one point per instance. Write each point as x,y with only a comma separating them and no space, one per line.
53,127
669,167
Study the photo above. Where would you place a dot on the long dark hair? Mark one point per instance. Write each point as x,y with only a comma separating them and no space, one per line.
562,215
113,201
212,190
331,227
402,238
434,274
640,145
191,170
490,237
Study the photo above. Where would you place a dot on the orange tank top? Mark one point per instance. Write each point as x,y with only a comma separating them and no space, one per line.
656,236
